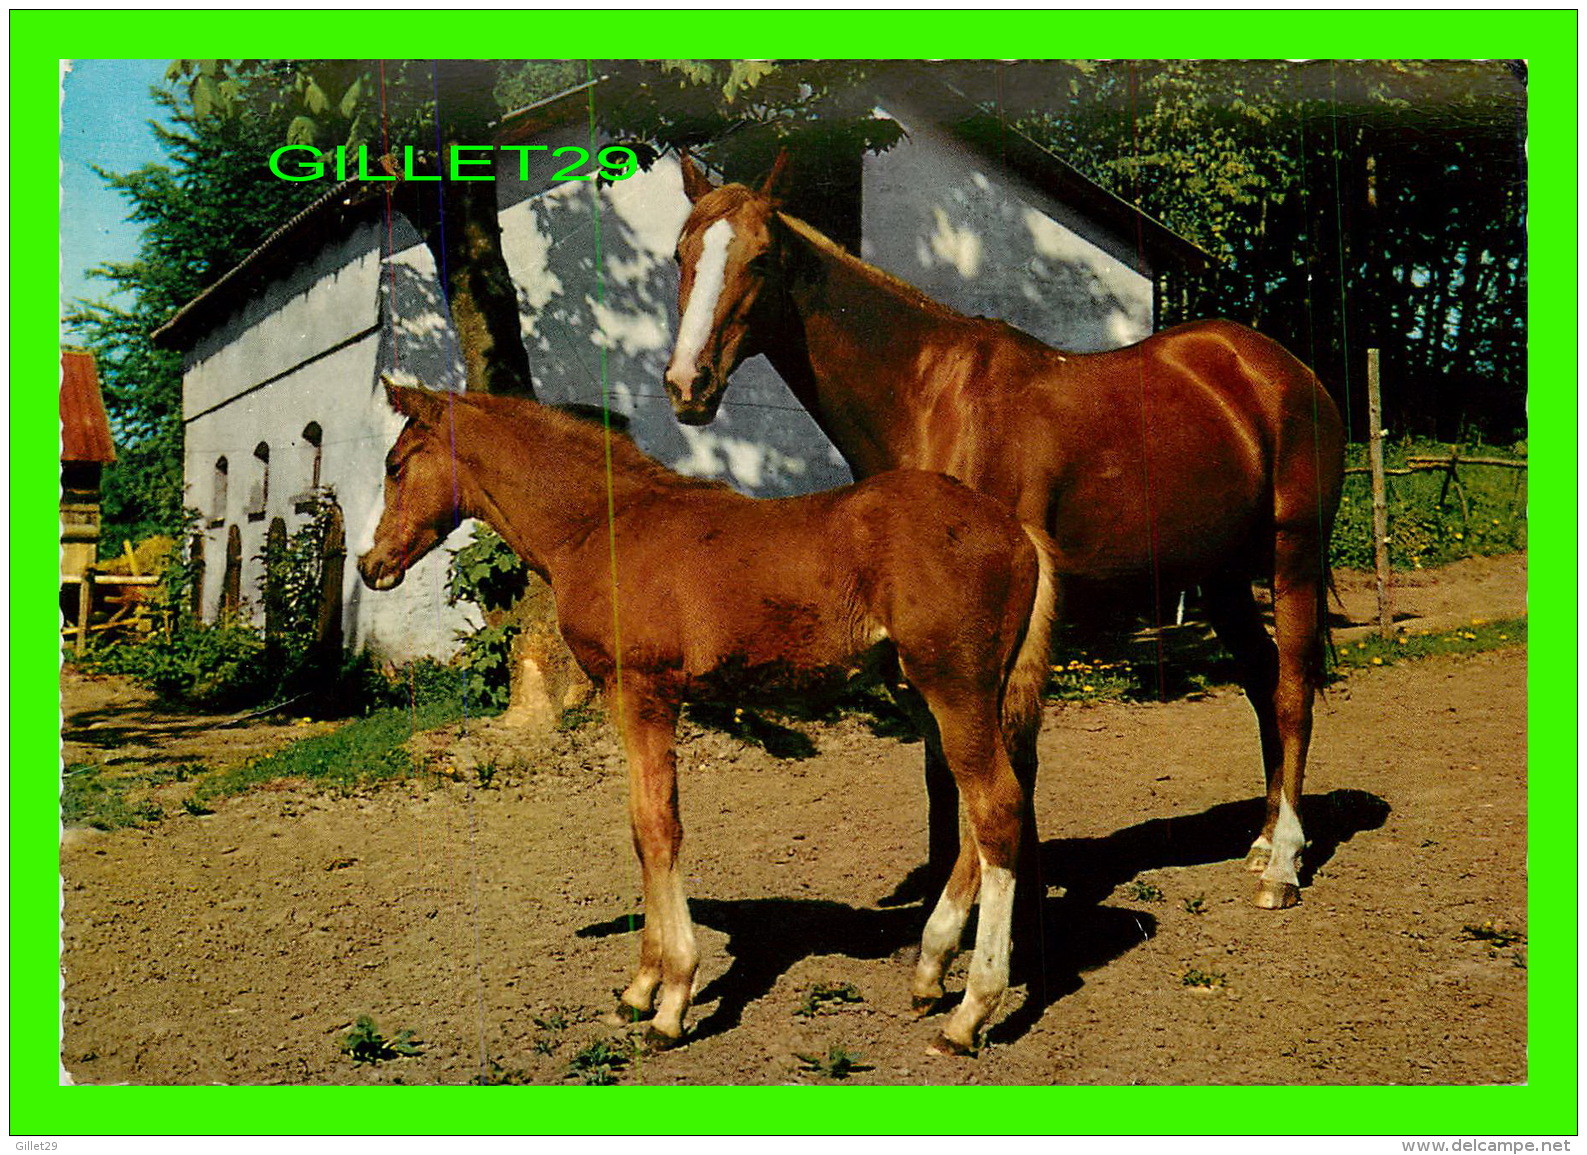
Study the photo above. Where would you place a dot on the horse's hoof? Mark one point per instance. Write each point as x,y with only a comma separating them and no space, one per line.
1276,895
655,1041
1258,858
923,1005
942,1045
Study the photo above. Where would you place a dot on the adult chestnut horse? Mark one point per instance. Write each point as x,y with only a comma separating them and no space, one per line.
670,589
1204,455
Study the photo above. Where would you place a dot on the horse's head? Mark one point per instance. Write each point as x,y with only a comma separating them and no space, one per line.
422,498
729,268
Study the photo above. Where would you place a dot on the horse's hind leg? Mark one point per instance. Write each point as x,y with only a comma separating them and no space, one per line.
1238,622
1297,624
668,956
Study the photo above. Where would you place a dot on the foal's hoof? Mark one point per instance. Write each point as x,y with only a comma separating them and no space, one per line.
1258,858
1276,895
922,1005
655,1041
625,1016
942,1045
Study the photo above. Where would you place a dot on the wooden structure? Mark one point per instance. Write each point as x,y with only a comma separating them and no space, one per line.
86,449
90,600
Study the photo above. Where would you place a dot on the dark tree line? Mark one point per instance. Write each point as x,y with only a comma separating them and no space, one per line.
1352,205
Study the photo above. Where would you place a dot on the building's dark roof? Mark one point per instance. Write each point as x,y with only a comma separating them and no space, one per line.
355,201
348,203
85,430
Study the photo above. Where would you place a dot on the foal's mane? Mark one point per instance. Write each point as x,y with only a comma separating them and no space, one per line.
567,444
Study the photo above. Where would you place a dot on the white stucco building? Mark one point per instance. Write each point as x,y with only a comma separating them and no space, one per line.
283,356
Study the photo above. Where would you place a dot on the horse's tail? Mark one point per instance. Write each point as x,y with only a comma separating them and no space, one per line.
1027,678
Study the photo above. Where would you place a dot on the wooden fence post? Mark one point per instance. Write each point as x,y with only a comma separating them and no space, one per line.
328,623
231,581
1380,505
275,604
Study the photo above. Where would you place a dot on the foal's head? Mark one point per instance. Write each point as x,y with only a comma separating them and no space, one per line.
729,267
422,490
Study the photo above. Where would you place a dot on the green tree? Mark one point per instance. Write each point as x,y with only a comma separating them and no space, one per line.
201,212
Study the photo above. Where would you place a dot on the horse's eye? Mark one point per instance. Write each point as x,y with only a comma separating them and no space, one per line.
392,468
760,263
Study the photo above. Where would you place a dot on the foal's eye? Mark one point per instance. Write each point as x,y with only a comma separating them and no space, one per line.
392,468
760,263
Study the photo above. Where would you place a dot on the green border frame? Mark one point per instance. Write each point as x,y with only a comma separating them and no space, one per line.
1545,1106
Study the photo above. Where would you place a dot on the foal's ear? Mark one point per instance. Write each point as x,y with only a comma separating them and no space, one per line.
695,182
419,404
777,180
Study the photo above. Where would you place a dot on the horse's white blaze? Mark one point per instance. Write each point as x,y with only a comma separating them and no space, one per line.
694,328
1288,841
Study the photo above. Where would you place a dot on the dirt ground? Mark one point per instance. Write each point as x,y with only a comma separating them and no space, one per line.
493,923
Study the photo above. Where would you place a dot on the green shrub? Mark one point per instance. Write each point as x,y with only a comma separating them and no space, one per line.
212,666
487,573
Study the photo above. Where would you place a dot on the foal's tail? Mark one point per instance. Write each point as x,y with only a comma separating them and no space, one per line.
1027,677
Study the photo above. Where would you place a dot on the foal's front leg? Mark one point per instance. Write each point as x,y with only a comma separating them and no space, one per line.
668,956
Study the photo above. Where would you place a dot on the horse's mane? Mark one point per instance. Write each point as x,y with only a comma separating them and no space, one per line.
880,278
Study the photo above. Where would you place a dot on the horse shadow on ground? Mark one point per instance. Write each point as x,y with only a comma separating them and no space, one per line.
766,937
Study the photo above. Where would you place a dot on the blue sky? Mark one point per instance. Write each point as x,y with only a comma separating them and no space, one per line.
105,112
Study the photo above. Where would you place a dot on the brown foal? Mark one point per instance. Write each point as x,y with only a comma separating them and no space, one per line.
670,589
1205,455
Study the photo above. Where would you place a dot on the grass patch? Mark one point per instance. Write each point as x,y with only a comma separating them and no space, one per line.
838,1063
1198,979
88,798
1431,523
1407,645
364,751
1083,679
600,1064
828,997
366,1044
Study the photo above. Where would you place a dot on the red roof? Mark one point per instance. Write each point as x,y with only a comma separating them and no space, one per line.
85,430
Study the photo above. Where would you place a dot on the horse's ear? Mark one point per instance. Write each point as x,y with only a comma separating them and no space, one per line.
419,404
776,184
695,182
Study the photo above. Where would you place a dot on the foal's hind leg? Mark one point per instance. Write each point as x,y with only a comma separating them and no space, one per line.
942,798
668,956
973,742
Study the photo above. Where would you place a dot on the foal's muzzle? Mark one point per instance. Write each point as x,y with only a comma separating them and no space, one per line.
379,573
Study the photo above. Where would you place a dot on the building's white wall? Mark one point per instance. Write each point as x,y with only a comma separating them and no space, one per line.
935,216
338,388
